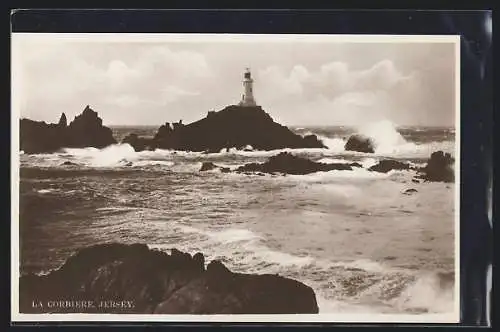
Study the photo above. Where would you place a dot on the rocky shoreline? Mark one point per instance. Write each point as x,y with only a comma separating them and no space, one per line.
121,278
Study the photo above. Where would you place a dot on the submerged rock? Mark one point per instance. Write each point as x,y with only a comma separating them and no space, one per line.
86,130
359,143
439,168
287,163
140,280
410,191
208,166
356,164
387,165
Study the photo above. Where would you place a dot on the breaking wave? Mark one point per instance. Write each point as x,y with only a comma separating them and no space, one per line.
388,142
363,285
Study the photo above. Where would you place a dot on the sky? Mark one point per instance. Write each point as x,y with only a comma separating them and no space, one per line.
300,81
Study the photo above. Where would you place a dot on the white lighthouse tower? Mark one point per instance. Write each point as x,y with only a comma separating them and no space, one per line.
247,98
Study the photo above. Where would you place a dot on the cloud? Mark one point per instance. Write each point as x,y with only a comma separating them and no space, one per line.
332,78
177,64
153,82
275,79
172,93
67,75
346,95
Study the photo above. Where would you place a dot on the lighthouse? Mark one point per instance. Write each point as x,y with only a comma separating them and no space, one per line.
247,98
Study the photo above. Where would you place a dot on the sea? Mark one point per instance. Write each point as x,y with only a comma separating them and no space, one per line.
355,237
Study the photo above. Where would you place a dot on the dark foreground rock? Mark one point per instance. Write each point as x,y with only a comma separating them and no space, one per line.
86,130
234,126
439,168
387,165
289,164
118,278
359,143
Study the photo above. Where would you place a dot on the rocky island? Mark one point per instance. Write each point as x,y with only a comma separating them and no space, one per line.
86,130
235,126
120,278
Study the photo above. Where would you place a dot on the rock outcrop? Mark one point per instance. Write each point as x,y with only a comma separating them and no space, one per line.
208,166
359,143
40,137
410,191
86,130
234,126
387,165
119,278
439,168
287,163
63,122
138,143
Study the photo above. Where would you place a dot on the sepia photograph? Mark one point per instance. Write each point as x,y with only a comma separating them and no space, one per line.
232,177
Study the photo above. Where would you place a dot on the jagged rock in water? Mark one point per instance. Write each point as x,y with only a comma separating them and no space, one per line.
286,162
40,137
140,280
439,168
86,130
387,165
359,143
63,122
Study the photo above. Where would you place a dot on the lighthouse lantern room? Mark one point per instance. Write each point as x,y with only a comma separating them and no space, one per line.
247,98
